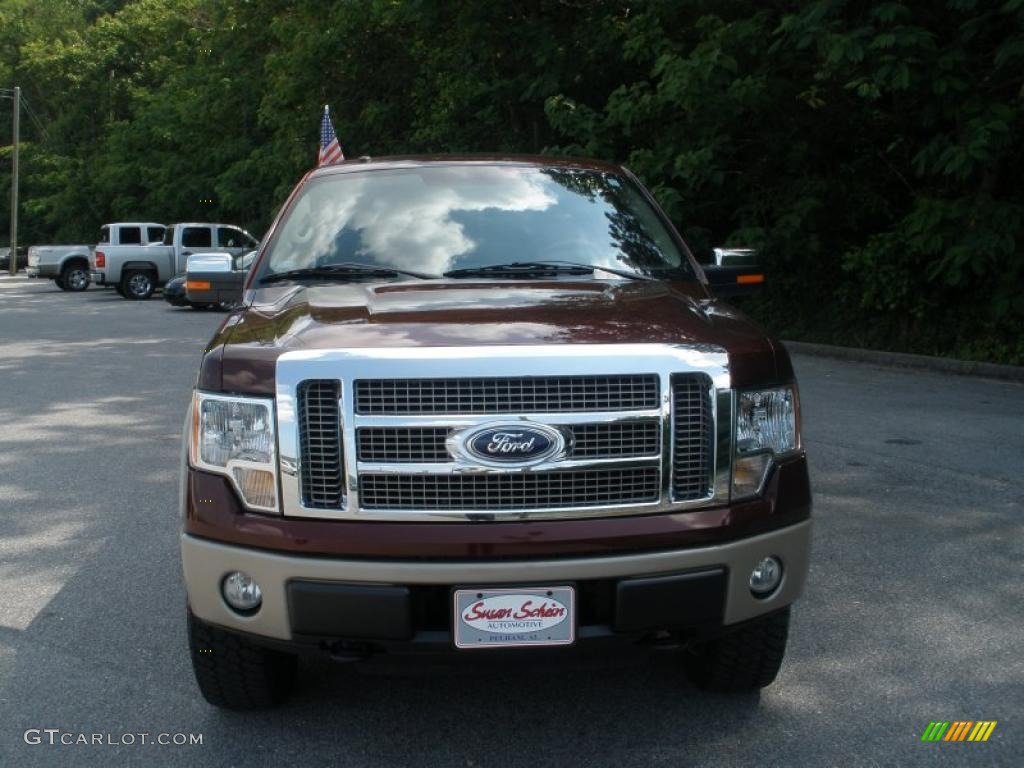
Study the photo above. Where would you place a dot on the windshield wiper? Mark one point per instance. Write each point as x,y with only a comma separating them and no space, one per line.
345,271
521,268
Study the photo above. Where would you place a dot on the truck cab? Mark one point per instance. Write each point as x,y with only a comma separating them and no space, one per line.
485,405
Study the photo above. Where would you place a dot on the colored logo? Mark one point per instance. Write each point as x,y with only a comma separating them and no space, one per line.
515,613
959,730
511,444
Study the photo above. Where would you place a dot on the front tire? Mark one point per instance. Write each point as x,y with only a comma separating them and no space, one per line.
137,285
235,673
74,279
743,660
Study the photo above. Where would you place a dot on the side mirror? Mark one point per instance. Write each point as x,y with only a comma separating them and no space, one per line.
211,278
736,272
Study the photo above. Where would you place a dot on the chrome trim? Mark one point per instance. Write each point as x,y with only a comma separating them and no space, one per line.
349,365
457,421
725,426
462,467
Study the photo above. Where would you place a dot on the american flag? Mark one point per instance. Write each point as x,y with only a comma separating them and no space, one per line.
330,149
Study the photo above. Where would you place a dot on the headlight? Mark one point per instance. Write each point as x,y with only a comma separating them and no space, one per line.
766,429
234,436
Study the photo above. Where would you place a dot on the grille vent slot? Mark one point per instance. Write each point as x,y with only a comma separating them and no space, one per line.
320,444
692,429
577,488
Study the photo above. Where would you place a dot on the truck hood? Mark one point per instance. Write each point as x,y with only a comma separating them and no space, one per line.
444,313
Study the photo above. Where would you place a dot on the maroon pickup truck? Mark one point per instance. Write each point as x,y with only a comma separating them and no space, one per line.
481,403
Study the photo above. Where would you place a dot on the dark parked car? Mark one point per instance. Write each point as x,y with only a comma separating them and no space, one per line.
5,258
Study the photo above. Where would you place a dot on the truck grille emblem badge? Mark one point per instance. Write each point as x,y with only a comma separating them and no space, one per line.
512,444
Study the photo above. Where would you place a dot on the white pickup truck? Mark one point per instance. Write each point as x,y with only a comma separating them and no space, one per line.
138,270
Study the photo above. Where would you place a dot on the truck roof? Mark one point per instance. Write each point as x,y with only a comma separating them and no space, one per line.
204,224
135,224
419,161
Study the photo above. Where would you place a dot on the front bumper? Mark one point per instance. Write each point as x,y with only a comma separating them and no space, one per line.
714,587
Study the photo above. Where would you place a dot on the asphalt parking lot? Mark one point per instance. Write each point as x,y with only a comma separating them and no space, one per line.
914,612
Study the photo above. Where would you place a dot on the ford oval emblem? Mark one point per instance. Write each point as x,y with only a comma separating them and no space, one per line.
510,444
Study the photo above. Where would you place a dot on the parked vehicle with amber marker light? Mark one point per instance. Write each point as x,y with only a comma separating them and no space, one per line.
478,403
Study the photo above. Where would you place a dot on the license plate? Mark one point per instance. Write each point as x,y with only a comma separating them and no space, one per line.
523,616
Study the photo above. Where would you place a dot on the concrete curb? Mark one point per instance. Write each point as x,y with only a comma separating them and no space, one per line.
903,360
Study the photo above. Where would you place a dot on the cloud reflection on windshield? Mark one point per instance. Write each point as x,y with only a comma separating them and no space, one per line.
404,221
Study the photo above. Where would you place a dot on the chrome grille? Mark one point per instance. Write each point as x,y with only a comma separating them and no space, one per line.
363,433
403,444
320,444
692,428
618,440
540,394
586,488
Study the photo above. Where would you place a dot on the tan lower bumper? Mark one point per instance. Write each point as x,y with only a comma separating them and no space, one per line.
206,563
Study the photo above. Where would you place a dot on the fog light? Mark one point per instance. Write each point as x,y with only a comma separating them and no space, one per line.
765,577
241,591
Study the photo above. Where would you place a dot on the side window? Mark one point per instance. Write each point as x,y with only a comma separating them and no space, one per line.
104,235
154,234
130,236
229,237
196,237
169,236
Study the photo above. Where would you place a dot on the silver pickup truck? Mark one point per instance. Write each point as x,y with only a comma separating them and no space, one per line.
68,265
136,271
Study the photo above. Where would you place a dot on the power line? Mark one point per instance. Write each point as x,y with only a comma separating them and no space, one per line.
35,119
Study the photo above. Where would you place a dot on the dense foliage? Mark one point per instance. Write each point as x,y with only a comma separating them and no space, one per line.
872,150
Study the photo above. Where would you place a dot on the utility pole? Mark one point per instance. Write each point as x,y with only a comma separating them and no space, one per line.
13,266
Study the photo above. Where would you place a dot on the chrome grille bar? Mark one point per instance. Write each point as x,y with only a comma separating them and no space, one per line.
613,440
521,394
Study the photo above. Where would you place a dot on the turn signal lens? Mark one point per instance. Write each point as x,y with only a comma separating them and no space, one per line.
748,474
255,485
197,285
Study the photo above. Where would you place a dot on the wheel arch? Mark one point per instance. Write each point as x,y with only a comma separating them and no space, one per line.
73,259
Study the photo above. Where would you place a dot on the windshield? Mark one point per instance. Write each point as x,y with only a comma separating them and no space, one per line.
440,218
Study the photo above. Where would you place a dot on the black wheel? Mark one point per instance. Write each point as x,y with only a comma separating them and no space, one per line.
235,673
59,283
744,660
120,292
137,284
74,278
